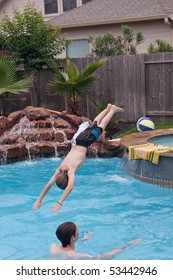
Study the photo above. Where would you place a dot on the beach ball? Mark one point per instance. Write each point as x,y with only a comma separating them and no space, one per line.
145,124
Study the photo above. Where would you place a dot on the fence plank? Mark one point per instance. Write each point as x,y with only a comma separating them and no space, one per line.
159,85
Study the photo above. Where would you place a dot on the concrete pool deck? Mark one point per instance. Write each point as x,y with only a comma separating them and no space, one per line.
144,137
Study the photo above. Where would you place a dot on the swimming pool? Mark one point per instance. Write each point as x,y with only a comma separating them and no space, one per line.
116,207
165,140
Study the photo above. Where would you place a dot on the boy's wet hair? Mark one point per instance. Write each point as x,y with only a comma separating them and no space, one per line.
65,232
62,180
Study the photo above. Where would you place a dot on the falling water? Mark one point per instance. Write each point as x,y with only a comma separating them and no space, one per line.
4,155
28,149
28,133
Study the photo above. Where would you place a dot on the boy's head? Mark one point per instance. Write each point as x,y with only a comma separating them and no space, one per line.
62,179
67,233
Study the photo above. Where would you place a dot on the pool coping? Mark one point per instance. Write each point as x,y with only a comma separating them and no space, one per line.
143,138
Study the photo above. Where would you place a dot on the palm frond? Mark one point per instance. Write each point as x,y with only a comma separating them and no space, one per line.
18,87
84,85
72,70
9,82
57,87
58,73
52,66
65,76
91,68
7,72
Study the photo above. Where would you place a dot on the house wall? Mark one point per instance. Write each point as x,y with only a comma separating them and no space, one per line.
8,7
151,30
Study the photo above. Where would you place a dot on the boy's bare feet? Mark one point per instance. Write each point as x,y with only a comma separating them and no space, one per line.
117,109
109,106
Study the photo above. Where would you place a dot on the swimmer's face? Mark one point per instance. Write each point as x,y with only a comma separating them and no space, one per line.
75,237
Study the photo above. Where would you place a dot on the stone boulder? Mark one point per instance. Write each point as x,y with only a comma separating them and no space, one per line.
3,124
108,149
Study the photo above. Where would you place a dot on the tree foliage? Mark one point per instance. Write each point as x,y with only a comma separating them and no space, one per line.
30,39
109,44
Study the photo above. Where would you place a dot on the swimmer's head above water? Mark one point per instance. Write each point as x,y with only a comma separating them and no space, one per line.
67,233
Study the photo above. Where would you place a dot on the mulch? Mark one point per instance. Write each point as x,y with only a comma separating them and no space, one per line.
113,131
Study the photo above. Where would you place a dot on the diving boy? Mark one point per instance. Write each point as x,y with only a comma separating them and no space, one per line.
83,138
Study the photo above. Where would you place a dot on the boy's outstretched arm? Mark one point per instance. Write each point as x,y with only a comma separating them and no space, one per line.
66,192
109,255
37,203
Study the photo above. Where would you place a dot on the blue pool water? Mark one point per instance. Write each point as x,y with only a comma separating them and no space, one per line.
166,140
114,206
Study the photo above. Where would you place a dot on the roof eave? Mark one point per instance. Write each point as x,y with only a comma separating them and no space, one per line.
121,20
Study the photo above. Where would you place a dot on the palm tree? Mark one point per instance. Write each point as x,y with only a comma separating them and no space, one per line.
9,80
72,83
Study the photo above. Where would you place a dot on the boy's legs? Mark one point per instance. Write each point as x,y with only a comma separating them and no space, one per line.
100,116
105,120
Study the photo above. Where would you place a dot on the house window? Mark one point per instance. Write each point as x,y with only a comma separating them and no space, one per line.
78,48
50,6
85,1
68,5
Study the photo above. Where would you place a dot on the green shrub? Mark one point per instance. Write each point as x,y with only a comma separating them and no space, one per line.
109,44
160,46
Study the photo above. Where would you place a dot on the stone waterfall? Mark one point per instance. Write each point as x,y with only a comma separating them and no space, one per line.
39,132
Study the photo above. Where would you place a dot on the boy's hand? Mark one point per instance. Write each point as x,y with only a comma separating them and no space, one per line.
55,208
87,236
136,241
36,205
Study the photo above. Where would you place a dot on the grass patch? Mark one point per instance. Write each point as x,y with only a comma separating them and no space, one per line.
133,129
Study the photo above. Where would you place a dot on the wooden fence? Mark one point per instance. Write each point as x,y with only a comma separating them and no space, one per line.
142,84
